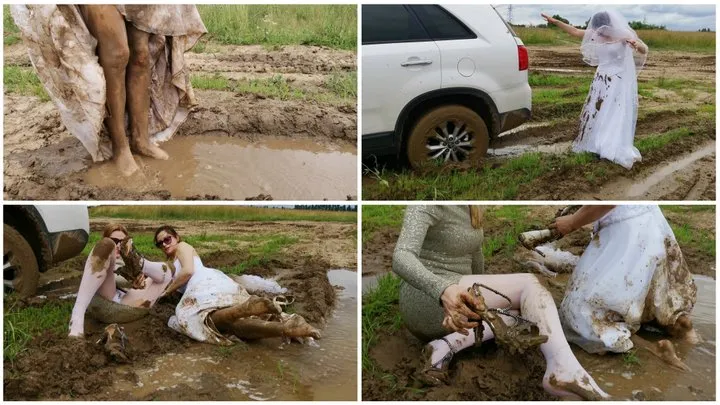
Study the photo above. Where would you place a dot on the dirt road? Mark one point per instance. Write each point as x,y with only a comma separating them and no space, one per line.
490,373
235,145
167,365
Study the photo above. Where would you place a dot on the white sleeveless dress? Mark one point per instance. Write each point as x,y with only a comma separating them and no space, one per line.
208,290
632,272
607,121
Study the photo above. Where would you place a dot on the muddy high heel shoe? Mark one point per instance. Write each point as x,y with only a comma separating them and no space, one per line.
437,373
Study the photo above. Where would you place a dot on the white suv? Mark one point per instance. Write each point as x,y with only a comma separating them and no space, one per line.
439,81
38,236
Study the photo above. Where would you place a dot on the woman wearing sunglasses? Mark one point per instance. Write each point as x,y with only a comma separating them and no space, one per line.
99,279
214,307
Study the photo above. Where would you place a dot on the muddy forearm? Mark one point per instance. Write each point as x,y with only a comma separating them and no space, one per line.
589,214
180,281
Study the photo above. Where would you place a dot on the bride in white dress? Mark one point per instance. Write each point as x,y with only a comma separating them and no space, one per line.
608,118
631,273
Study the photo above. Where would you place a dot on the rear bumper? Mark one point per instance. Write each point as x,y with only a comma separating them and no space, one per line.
513,119
67,244
379,144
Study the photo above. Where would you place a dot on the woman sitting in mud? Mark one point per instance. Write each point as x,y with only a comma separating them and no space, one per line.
631,273
116,60
607,121
439,256
212,306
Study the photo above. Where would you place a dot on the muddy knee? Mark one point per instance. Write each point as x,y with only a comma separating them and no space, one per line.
682,326
139,57
100,254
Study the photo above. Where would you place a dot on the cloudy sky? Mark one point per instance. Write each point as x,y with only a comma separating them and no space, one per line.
673,16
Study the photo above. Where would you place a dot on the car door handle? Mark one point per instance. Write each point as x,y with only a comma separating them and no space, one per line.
416,63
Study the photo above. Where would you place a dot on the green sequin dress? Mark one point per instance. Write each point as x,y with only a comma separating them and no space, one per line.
436,247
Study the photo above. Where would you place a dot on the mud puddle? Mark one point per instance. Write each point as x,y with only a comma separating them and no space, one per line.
684,178
234,168
652,379
261,370
516,150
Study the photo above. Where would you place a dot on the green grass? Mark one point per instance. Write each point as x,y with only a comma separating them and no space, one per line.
700,239
21,325
334,26
630,358
342,87
22,80
217,213
11,33
379,312
655,39
378,217
514,220
262,253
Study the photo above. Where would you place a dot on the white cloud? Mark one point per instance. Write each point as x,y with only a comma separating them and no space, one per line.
673,16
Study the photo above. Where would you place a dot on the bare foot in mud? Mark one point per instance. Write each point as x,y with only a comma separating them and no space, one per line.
666,351
125,163
297,327
573,386
150,150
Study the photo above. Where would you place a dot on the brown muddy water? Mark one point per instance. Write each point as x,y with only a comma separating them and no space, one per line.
234,168
262,370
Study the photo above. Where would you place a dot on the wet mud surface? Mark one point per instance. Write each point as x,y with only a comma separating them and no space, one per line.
490,372
166,365
44,162
685,171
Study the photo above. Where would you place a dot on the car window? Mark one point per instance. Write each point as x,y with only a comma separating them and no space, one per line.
440,24
390,23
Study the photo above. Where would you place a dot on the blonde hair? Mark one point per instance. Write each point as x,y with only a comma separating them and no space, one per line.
112,227
476,216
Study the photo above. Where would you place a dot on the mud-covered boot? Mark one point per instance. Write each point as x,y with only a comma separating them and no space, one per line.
114,341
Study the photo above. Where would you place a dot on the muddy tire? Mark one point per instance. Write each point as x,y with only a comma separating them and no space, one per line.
20,267
451,133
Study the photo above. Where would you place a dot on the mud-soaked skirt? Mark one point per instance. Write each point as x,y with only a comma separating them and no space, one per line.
208,290
632,272
609,116
423,315
62,50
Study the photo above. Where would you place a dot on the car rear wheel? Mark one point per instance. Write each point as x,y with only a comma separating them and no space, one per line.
20,268
451,133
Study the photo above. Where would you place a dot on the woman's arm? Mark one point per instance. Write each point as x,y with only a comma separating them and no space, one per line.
585,215
575,32
185,255
406,262
638,45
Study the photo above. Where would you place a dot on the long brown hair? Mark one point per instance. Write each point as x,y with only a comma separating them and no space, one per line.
476,216
112,227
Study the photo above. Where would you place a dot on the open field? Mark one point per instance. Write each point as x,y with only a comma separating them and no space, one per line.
675,135
305,256
391,356
279,92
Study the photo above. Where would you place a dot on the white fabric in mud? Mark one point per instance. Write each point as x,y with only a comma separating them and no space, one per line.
632,272
63,52
609,116
207,291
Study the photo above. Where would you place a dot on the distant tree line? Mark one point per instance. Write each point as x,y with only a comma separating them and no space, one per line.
325,207
636,25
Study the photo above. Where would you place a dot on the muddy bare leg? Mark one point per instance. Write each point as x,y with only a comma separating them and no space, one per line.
683,329
564,376
138,93
663,349
98,277
252,328
255,306
107,25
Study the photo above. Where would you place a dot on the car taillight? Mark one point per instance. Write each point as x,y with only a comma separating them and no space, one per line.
523,58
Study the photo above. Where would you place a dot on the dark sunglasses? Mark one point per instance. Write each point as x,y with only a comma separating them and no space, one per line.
116,240
165,241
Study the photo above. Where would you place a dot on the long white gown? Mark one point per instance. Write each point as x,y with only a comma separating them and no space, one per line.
607,121
208,290
632,272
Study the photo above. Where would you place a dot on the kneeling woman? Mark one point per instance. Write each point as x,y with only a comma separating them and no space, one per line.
439,256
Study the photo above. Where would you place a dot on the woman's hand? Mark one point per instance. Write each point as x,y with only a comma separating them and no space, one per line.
549,19
460,307
564,224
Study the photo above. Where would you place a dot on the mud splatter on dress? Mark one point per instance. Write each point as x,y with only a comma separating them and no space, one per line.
436,247
632,272
609,116
63,52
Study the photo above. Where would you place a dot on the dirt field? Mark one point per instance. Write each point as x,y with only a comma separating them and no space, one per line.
312,142
490,373
166,365
677,94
